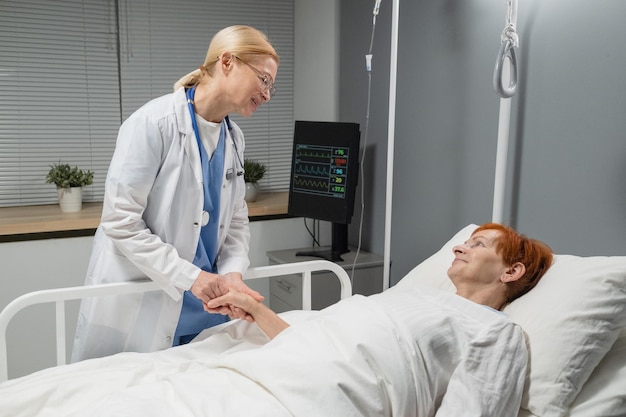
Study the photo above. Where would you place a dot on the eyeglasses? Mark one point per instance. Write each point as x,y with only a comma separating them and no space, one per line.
267,83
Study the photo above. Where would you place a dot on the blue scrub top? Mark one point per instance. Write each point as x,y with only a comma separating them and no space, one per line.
193,319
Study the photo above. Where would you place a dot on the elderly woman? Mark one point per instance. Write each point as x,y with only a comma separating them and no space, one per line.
493,268
472,359
405,352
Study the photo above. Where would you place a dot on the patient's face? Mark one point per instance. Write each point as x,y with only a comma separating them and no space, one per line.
476,261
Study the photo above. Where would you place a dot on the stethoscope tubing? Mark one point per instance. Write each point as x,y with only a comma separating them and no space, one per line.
192,112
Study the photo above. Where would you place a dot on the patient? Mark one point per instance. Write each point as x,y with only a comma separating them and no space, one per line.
493,268
405,352
471,350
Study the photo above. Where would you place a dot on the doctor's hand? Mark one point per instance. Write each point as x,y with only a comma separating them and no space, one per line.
208,286
234,281
244,304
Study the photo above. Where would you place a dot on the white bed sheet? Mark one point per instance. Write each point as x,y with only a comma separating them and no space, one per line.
236,372
71,389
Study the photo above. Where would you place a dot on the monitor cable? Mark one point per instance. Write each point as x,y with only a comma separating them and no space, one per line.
313,233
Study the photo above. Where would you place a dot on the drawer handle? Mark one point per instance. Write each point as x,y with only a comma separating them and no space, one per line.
284,285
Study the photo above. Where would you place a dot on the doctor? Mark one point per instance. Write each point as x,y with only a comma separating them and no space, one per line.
174,208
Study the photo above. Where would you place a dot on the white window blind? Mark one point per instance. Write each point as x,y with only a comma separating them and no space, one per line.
60,94
162,40
67,85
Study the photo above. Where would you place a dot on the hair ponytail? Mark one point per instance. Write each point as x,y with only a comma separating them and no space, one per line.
189,80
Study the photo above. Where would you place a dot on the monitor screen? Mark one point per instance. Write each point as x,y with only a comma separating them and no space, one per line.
324,172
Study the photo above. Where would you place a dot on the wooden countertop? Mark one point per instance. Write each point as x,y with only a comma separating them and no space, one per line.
269,205
49,218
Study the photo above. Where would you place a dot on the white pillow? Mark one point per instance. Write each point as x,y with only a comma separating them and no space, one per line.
604,393
572,318
433,272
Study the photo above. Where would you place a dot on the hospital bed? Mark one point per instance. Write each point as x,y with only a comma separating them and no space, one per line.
61,295
575,322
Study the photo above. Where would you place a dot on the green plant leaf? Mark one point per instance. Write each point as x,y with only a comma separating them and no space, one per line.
64,176
253,171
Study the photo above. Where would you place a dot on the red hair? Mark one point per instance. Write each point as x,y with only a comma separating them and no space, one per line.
514,247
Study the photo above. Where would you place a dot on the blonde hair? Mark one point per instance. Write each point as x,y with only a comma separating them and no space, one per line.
239,40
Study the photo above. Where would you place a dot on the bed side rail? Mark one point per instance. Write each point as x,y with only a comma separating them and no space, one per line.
60,295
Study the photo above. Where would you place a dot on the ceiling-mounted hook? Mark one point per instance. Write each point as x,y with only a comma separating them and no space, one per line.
508,46
507,50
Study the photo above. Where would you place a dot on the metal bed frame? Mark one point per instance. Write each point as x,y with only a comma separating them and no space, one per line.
61,295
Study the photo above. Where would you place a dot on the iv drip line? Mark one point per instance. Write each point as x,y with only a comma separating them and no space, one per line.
368,66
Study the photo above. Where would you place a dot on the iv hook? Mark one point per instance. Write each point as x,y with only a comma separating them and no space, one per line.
507,50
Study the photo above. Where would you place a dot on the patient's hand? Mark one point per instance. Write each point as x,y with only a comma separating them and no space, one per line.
255,310
208,286
236,304
234,281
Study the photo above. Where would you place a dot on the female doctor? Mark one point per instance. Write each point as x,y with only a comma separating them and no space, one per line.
174,208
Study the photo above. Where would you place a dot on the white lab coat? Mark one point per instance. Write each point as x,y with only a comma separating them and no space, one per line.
151,220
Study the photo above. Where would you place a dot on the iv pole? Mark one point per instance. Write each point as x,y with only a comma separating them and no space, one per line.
509,43
393,65
506,54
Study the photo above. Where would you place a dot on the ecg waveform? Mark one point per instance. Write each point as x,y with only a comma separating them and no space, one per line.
321,170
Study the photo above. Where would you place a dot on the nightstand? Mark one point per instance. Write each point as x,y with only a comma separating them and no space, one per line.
286,291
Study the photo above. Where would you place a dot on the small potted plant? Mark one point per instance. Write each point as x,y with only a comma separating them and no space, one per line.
70,182
253,171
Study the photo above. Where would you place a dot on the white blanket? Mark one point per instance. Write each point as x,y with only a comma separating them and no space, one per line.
385,355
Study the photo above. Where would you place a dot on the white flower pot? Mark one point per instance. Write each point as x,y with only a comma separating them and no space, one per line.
252,192
70,199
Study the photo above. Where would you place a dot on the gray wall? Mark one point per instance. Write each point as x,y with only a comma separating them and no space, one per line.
567,161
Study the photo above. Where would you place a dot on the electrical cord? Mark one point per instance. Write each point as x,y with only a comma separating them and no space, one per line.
313,233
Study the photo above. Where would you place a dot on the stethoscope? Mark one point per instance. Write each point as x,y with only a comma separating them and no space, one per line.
230,172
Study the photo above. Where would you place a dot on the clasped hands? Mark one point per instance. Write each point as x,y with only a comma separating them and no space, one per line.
226,294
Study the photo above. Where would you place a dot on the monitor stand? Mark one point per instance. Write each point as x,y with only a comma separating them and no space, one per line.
339,245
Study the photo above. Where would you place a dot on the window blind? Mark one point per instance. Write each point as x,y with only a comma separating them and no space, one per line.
60,94
162,40
71,71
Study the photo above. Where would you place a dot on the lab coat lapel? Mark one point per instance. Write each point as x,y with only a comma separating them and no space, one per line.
187,135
